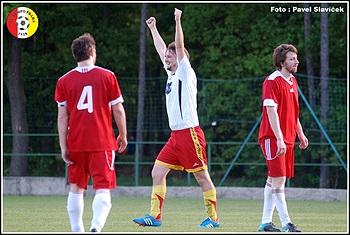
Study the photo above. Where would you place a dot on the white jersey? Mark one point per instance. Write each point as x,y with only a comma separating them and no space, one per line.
181,96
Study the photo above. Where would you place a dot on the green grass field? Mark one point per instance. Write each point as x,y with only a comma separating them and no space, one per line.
47,214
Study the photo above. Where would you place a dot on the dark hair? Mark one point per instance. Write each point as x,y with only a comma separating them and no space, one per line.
171,47
280,54
82,46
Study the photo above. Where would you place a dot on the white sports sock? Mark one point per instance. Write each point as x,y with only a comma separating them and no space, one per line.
75,208
100,208
281,205
269,204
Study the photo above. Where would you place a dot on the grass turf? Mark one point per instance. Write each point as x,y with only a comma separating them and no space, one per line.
48,214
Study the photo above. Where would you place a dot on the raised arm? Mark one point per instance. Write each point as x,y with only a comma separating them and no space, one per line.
158,41
179,36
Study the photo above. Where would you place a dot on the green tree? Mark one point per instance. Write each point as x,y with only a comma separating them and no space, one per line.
17,99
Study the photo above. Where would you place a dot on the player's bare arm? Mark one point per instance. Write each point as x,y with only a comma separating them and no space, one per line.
275,125
304,142
62,123
158,41
179,37
120,119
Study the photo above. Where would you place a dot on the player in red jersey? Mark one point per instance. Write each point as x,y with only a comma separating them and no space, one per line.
278,128
87,97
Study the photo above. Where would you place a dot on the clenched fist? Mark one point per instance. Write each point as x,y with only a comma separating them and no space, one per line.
151,22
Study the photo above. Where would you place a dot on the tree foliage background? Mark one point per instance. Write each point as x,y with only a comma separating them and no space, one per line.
226,41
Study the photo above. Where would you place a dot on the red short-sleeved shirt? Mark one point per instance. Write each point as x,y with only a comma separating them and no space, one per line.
282,93
88,93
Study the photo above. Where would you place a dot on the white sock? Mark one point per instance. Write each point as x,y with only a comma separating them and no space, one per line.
75,208
100,207
281,205
269,204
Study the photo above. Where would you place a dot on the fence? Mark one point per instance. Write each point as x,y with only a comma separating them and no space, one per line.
133,165
228,110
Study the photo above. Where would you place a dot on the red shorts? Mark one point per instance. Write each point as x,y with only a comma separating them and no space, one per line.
278,166
185,149
100,165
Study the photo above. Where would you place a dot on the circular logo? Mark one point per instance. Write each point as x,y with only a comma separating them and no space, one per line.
22,22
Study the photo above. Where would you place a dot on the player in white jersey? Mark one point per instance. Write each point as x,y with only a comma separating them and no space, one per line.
181,95
186,147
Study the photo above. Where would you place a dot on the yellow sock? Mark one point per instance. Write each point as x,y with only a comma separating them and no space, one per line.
210,203
157,199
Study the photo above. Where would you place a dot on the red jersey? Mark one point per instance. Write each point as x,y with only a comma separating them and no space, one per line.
88,92
283,94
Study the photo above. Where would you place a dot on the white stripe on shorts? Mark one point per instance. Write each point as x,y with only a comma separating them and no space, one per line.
267,146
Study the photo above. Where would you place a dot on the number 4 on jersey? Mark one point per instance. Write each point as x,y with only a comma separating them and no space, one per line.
85,100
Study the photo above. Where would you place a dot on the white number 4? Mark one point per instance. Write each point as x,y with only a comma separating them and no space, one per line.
85,100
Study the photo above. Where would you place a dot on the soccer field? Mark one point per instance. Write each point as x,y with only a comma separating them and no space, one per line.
48,214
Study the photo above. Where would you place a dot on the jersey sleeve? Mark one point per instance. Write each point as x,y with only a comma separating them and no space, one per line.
269,93
186,71
115,95
59,94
